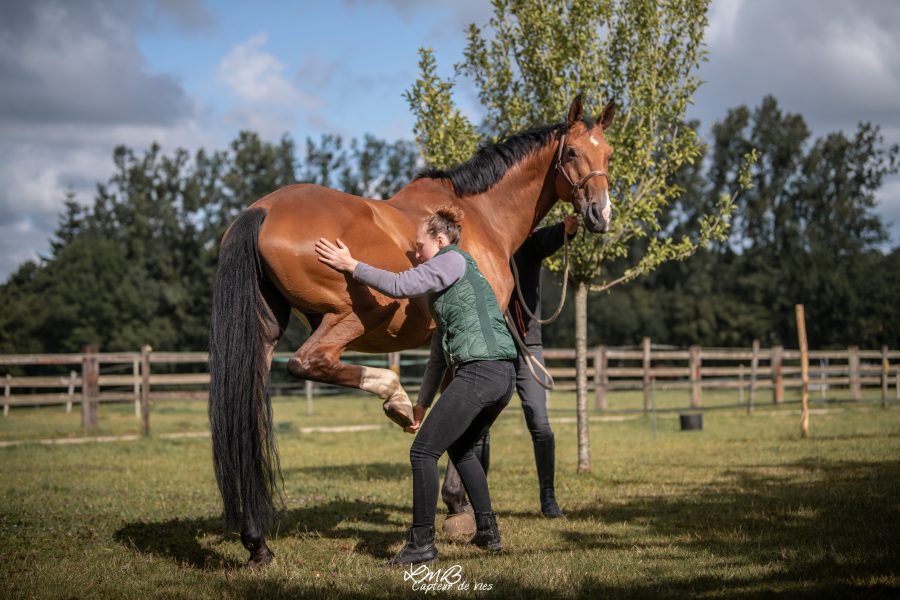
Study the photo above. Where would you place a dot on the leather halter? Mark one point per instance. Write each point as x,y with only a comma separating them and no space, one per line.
576,187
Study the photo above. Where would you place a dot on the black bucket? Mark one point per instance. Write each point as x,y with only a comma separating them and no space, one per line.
692,422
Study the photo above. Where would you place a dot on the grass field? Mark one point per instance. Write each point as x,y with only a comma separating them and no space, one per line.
744,508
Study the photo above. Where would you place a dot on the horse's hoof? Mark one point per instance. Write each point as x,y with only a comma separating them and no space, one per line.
399,412
459,525
260,558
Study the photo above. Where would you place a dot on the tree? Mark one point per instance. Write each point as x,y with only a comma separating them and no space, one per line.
805,233
529,64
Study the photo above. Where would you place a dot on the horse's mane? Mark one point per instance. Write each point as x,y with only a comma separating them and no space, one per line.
492,161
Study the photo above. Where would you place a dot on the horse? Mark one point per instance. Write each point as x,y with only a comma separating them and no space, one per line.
268,267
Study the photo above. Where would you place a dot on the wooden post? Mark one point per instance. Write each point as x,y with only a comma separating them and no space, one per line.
90,390
741,387
7,390
804,371
145,389
646,346
136,373
394,362
696,363
777,378
885,367
309,397
853,362
72,376
601,378
754,367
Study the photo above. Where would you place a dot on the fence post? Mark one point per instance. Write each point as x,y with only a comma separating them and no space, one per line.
754,367
7,390
885,367
90,389
646,346
777,377
136,374
804,370
309,397
853,360
394,362
72,376
601,378
741,387
696,361
145,389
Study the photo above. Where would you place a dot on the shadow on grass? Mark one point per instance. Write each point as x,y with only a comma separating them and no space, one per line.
357,472
812,528
179,539
816,529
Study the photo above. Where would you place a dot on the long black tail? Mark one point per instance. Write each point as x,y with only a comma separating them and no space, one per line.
240,410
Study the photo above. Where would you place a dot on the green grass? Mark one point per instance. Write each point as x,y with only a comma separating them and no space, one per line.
744,508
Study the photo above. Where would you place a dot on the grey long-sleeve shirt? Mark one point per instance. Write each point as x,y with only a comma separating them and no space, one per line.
431,276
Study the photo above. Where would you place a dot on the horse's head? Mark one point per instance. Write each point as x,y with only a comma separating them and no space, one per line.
582,164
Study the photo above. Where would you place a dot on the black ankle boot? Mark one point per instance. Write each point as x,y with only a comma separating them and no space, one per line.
549,507
487,534
419,548
545,460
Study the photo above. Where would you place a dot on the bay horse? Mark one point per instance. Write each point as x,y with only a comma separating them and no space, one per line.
268,266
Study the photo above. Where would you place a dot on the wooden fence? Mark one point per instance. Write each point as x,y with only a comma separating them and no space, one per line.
146,376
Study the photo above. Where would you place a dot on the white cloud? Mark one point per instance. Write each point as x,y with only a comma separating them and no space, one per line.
257,77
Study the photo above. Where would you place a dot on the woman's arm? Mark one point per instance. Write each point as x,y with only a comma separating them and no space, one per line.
434,275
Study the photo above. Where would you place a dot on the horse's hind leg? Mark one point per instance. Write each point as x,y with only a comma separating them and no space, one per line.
318,359
275,321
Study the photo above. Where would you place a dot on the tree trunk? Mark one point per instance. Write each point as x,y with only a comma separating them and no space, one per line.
584,441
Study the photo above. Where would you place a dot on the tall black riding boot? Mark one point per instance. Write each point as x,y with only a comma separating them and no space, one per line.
545,460
419,548
488,534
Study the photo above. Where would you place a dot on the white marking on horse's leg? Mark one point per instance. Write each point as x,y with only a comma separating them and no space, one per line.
381,382
385,384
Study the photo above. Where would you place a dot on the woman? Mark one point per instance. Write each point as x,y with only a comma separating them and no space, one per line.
472,339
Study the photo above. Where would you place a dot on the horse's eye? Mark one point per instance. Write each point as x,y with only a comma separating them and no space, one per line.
571,153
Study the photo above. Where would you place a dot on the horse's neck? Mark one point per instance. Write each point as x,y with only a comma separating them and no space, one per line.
517,203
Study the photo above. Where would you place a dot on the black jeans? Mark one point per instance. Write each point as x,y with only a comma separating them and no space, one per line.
480,390
533,396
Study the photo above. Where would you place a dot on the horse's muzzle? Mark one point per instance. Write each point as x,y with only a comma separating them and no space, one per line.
597,219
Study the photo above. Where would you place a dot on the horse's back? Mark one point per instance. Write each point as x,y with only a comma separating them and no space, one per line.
375,232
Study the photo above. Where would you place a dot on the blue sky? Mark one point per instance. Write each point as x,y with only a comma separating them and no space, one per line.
78,77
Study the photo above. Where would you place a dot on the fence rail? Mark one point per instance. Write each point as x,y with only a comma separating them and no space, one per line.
757,369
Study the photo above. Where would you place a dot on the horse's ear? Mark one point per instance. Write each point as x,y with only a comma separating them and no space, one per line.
576,111
606,115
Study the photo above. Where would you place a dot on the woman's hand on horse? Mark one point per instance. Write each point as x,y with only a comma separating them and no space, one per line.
418,415
336,256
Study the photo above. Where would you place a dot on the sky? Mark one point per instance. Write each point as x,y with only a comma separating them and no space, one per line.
79,77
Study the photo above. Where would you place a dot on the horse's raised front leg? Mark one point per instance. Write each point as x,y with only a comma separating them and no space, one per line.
318,359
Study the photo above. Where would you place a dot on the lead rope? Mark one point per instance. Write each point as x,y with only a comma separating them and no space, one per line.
530,360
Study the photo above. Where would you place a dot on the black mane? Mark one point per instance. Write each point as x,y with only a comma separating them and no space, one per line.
492,161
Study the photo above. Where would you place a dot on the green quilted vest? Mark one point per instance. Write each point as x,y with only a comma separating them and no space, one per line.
469,318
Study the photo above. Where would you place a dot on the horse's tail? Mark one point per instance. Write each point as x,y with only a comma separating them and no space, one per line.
245,456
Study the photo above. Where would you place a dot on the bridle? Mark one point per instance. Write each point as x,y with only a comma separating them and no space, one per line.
576,187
